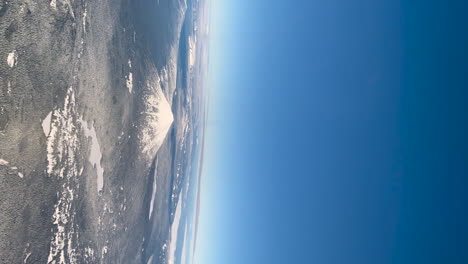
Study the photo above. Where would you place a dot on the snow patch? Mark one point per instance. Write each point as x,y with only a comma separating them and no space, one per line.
129,78
129,81
9,88
103,252
26,258
53,4
153,195
95,155
46,124
13,168
150,260
12,59
192,52
89,252
85,13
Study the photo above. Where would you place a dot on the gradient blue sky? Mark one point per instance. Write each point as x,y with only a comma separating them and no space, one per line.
337,133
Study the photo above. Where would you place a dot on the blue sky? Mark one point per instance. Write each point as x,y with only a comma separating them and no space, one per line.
336,133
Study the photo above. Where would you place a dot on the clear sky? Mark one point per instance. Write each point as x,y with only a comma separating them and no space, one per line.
337,133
